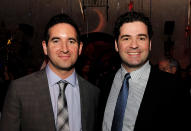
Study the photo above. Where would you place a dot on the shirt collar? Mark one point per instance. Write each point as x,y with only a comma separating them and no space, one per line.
137,74
53,78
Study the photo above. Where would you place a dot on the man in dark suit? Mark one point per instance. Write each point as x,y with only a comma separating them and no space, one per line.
156,100
35,102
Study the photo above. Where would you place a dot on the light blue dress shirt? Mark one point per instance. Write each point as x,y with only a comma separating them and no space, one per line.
72,95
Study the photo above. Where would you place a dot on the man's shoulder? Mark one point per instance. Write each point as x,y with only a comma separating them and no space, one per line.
155,72
85,82
33,76
27,85
163,78
30,80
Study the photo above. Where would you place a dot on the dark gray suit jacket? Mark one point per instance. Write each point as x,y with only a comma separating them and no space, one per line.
28,105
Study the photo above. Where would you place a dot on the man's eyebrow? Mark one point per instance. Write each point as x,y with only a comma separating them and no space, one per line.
143,35
71,38
125,36
53,38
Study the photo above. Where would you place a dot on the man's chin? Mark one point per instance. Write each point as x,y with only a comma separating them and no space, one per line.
66,68
135,64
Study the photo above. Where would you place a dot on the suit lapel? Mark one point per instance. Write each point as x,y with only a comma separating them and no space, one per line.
148,104
83,93
45,101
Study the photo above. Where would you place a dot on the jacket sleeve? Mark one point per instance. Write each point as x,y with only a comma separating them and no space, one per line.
11,115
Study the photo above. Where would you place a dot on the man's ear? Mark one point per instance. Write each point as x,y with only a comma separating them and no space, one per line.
116,46
80,48
44,47
150,45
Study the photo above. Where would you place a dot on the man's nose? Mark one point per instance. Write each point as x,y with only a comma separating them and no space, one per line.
134,43
64,47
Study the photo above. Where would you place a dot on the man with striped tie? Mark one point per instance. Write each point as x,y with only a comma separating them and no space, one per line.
55,98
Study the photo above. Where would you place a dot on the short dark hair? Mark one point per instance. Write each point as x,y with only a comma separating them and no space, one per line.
131,17
60,18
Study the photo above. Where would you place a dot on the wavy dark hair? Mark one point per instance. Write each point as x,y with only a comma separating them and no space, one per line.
131,17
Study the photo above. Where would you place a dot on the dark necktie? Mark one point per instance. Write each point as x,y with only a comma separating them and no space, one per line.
119,112
62,111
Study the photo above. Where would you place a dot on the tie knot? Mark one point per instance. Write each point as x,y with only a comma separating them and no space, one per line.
127,76
62,84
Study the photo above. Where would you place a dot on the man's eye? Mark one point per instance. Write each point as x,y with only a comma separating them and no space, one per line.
72,41
125,38
142,38
55,41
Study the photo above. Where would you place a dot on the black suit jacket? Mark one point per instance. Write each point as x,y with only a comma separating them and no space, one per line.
164,107
28,105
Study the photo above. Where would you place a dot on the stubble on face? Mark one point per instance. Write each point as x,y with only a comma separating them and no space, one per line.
70,67
141,63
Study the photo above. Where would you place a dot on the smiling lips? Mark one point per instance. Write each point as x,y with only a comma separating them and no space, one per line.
133,53
64,56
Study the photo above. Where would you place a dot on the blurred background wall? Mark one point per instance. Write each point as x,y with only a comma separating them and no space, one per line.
36,13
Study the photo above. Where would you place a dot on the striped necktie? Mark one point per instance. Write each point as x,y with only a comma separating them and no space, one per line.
62,112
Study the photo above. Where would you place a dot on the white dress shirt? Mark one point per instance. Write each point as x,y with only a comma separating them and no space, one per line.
137,85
